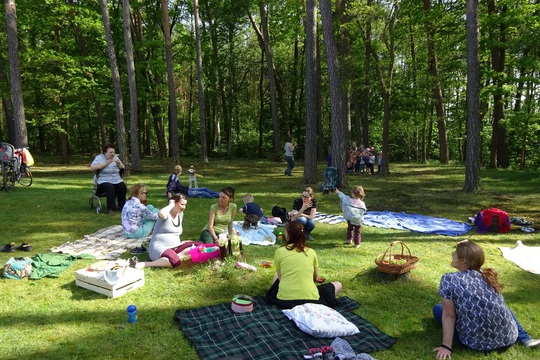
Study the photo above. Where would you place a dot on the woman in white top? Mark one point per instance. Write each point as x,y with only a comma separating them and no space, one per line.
108,167
166,249
289,156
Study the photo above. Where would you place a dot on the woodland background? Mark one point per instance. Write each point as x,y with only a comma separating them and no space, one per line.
219,78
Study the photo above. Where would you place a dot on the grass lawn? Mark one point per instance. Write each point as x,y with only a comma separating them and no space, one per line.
52,318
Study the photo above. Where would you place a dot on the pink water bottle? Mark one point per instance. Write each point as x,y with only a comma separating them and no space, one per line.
245,266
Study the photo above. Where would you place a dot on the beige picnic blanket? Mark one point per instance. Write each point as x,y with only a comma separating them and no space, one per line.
106,244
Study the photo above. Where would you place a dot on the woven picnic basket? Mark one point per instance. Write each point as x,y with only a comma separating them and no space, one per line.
396,262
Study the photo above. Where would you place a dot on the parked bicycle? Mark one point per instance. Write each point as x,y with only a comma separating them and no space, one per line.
15,166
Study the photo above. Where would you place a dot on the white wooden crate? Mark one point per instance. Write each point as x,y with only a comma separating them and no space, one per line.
93,280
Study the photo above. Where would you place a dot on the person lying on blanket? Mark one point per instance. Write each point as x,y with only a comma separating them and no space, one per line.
297,270
472,309
138,219
166,249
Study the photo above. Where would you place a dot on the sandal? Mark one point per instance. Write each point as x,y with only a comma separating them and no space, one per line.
327,353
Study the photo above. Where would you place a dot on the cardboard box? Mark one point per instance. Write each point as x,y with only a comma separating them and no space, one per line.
93,280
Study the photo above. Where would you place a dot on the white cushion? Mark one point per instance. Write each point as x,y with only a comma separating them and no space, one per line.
320,321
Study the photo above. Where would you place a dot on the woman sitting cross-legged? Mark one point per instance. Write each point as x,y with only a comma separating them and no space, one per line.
166,249
472,309
297,270
138,219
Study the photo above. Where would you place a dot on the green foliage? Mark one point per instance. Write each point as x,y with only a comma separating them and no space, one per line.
52,318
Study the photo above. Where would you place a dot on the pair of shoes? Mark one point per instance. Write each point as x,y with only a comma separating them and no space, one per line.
531,343
133,262
310,238
9,248
139,250
111,212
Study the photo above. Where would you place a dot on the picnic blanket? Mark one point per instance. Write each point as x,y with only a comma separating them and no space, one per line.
264,235
203,192
526,257
403,221
266,333
106,244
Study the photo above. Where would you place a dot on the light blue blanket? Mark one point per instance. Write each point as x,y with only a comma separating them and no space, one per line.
403,221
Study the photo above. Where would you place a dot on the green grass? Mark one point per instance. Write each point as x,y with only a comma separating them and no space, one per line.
52,318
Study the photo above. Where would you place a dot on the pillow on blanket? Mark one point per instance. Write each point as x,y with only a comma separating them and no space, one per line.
320,321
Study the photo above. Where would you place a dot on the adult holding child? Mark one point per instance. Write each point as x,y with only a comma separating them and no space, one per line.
138,219
303,211
220,218
472,309
108,168
297,271
166,249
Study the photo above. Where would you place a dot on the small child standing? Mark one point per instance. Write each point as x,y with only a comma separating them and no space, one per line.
354,209
253,212
192,176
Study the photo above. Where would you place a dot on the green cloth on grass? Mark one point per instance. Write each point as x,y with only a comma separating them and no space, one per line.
53,264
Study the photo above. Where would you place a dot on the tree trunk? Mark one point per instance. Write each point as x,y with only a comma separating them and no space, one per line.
312,86
436,86
120,128
367,82
473,154
132,83
337,122
173,111
499,141
18,126
202,111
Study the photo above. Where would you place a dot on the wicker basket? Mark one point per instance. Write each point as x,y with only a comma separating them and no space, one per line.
384,261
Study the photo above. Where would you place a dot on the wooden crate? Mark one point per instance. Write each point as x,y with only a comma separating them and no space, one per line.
93,280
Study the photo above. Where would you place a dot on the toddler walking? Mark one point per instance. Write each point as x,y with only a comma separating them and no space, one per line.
253,212
354,209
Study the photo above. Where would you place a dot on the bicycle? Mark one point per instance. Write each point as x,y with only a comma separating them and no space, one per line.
15,168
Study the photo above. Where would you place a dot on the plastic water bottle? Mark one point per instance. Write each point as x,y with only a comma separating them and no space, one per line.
132,313
280,237
243,265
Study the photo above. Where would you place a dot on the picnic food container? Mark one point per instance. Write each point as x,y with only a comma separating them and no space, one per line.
199,253
396,263
93,278
242,303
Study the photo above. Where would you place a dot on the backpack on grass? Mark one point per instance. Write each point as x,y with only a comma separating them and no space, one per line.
280,212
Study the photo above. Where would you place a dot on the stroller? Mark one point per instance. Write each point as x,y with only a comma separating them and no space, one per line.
330,180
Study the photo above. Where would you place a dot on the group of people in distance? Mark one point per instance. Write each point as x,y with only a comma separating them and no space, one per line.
362,160
472,311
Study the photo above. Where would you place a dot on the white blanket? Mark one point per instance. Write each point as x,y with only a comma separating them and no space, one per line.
263,236
106,244
526,257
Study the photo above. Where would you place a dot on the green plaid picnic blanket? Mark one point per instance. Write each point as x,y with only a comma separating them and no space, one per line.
266,333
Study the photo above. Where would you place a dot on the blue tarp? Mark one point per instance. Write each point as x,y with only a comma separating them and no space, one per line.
415,222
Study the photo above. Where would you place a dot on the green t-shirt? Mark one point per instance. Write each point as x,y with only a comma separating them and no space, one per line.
221,222
296,268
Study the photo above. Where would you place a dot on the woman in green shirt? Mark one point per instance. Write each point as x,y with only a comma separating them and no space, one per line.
297,271
221,217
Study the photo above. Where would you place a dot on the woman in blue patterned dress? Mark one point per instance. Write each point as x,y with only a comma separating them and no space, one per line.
472,309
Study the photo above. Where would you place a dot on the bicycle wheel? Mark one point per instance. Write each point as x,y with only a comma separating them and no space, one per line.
26,178
8,177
